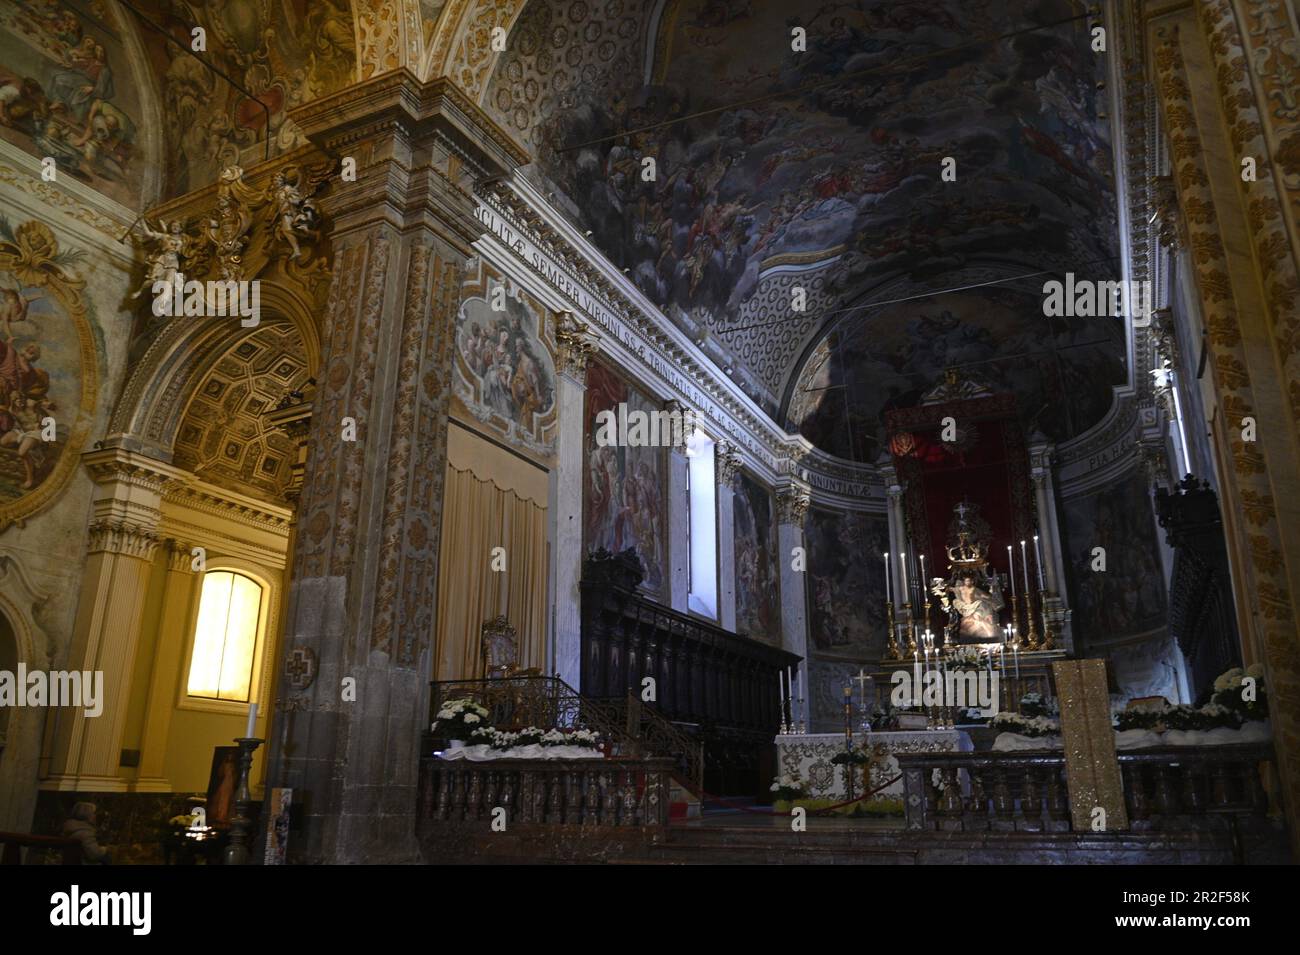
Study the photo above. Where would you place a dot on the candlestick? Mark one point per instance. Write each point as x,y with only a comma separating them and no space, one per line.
1011,571
241,823
780,677
924,697
916,678
892,651
1029,601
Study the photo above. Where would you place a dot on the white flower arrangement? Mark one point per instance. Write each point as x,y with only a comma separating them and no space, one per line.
966,658
788,787
457,719
1025,726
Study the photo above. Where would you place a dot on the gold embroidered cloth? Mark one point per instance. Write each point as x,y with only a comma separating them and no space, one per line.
1091,767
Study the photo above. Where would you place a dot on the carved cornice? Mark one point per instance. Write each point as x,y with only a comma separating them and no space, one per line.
116,465
214,501
122,537
580,274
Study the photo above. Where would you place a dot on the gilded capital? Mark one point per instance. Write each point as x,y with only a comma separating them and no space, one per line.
577,344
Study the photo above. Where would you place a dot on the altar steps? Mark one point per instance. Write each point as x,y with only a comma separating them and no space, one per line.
884,842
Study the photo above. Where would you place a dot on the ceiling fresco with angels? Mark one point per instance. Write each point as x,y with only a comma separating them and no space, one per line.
819,169
69,87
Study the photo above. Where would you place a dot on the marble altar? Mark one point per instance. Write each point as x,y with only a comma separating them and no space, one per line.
809,755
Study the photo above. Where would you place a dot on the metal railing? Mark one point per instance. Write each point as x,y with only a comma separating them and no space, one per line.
546,702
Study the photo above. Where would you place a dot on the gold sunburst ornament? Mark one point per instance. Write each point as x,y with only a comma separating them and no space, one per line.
49,375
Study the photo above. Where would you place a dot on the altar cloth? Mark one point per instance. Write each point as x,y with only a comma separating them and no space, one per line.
809,755
481,753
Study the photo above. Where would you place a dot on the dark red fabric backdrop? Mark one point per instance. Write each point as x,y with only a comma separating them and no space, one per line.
988,466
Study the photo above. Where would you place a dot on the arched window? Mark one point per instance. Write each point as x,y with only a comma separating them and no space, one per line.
225,637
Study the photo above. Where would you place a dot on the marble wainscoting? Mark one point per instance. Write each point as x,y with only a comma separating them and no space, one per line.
810,755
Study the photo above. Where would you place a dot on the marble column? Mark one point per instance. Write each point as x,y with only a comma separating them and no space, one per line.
1056,601
577,342
175,625
728,472
122,538
679,530
897,545
364,579
792,502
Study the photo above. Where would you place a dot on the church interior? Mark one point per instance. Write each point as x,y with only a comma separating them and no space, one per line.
696,431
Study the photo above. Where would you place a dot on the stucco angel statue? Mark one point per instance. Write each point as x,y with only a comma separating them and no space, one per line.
169,245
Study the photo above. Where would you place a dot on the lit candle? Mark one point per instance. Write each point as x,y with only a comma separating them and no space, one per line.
888,590
1024,566
252,721
1015,655
924,588
1011,570
902,560
925,673
1038,553
916,676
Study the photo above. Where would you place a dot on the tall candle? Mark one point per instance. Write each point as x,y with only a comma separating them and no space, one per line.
902,560
916,677
925,672
780,678
1038,553
252,721
923,579
1015,655
1011,570
1024,565
888,589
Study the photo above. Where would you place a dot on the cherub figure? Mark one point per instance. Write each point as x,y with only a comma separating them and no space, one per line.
295,215
165,261
23,417
13,308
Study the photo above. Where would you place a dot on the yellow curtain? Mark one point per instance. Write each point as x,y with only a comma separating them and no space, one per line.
476,517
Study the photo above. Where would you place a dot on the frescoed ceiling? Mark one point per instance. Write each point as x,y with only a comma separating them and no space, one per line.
224,437
821,169
72,88
282,52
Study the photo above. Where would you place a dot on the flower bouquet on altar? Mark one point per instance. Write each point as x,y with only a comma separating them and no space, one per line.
1243,692
966,657
458,719
788,788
